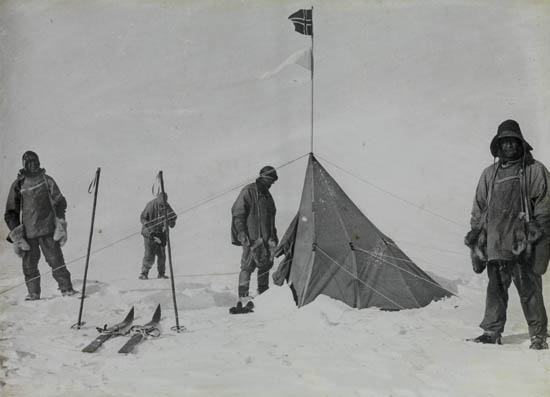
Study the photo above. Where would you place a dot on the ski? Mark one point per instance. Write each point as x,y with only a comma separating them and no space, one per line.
107,333
140,332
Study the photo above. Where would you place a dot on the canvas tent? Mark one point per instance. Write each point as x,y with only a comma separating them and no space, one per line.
332,248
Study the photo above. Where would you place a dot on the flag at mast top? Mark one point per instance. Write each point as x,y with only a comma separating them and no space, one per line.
303,23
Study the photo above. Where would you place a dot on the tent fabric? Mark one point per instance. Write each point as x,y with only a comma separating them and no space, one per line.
335,250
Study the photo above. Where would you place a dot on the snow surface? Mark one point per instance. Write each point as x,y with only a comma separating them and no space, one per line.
407,95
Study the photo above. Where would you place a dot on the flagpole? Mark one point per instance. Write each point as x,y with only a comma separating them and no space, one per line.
312,66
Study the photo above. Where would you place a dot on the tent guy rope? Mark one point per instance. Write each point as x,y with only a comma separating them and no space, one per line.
160,221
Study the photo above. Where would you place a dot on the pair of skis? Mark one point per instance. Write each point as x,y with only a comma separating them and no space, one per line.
138,332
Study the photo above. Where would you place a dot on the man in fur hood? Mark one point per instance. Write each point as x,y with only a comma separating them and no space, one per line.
510,233
253,228
35,215
154,234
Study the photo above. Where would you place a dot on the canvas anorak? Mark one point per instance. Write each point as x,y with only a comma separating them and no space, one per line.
498,204
152,218
254,214
29,203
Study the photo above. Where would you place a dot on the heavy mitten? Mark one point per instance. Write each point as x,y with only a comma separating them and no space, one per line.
478,264
272,248
243,238
476,240
471,237
20,245
60,233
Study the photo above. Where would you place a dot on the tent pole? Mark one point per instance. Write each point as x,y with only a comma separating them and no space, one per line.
312,67
177,327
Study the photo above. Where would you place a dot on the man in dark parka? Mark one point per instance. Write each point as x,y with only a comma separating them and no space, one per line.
253,228
35,215
510,234
154,235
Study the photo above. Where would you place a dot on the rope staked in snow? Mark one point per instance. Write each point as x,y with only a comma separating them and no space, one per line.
420,260
161,220
402,269
463,297
361,281
206,274
392,194
425,246
402,308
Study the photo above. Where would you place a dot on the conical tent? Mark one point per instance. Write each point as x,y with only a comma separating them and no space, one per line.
337,251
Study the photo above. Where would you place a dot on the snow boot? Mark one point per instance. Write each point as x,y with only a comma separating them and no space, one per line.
249,307
32,297
240,309
143,276
538,343
69,292
163,276
237,308
489,338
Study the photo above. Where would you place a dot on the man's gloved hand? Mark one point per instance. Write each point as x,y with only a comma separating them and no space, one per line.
535,232
272,247
478,265
157,240
20,245
243,239
471,237
60,233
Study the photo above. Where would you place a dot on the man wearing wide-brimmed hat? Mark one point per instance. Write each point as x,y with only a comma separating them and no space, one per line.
510,233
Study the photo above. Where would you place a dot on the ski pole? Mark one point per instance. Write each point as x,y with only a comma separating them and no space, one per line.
95,186
177,328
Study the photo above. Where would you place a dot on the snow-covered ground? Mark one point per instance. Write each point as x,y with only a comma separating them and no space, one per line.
408,95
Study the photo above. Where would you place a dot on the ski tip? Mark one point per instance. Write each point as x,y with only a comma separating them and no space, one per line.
156,316
130,315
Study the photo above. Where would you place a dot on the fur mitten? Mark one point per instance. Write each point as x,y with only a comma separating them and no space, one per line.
538,247
20,245
259,252
60,233
526,236
272,248
534,233
476,240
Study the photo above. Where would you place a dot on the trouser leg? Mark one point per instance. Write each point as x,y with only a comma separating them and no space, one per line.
529,286
161,259
30,267
496,303
263,279
247,267
148,255
262,257
54,257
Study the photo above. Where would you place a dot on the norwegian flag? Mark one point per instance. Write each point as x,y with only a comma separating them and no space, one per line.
302,22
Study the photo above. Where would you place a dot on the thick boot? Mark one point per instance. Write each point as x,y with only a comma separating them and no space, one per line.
239,308
538,343
489,338
69,292
143,276
32,297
